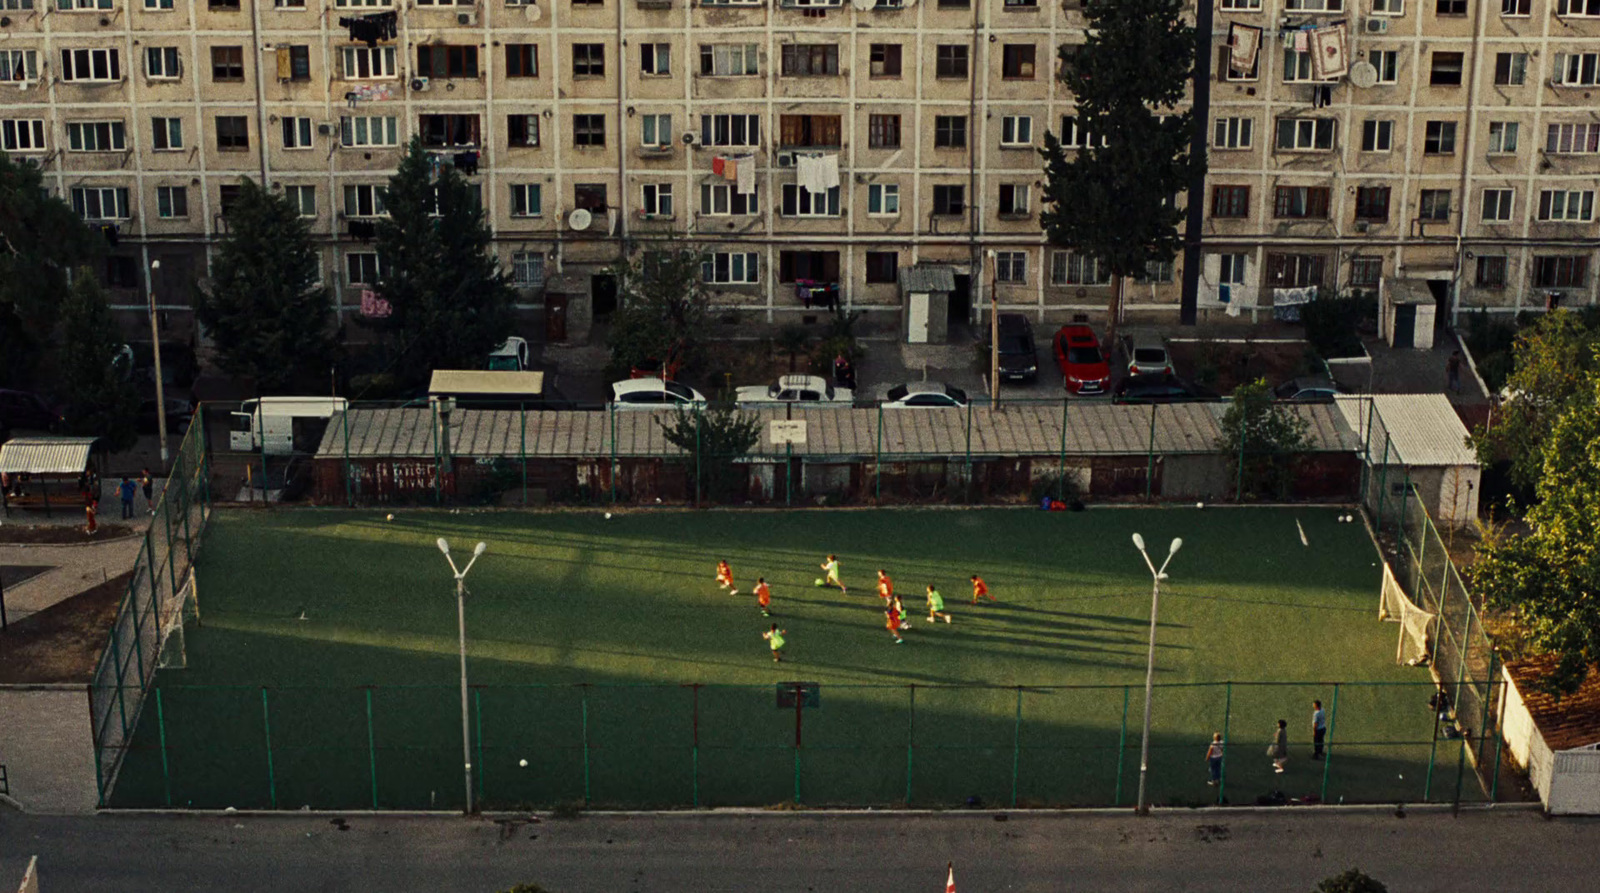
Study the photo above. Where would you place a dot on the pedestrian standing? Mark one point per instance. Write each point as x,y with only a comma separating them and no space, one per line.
91,523
774,639
980,589
830,573
764,596
148,484
1214,758
1319,729
936,606
1279,749
126,491
1452,370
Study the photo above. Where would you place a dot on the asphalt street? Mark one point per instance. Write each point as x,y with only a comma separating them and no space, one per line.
776,852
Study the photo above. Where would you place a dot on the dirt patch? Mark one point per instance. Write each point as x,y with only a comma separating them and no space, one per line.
57,534
63,642
1223,366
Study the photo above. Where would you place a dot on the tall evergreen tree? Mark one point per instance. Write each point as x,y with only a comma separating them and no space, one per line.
101,402
266,312
450,300
40,240
1114,199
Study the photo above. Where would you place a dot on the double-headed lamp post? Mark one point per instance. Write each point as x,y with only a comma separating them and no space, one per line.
461,624
1156,576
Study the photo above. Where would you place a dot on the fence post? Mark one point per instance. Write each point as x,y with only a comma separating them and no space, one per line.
122,675
877,461
477,724
1238,487
1016,749
349,491
1433,748
1122,748
266,728
611,418
694,751
1227,719
438,466
1061,474
1383,490
372,751
161,726
522,449
585,719
1150,464
1499,736
969,452
911,734
1327,754
172,566
698,414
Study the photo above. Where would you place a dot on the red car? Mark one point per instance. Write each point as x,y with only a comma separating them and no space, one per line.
1084,369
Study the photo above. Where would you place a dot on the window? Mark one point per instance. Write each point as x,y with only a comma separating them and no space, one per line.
296,133
1233,133
1366,271
1297,66
1016,130
729,59
1491,271
1502,137
100,202
588,130
1230,201
1301,202
1387,62
82,5
1242,5
590,196
1572,139
1022,4
1515,7
1295,270
955,4
227,64
1231,268
655,59
369,130
96,136
1305,134
1510,69
730,130
233,133
25,135
172,202
1016,61
343,3
810,59
527,200
161,63
883,267
1566,205
1011,266
1377,136
368,63
19,66
722,200
949,200
90,65
280,4
294,63
1314,5
1439,138
950,60
656,131
1155,271
1434,205
223,4
1014,199
1450,7
361,268
950,131
527,269
167,134
448,131
447,61
1560,271
1497,205
522,131
820,266
1227,71
729,267
1372,203
883,200
1576,70
1567,8
808,131
883,131
303,199
365,200
1070,268
1388,7
589,60
797,202
656,200
1075,137
522,60
149,5
1446,69
884,60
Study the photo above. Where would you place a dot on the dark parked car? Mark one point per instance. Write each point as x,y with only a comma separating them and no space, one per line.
1308,389
180,413
1158,388
1019,358
27,411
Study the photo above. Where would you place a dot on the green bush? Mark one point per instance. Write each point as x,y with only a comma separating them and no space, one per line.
1490,340
1351,881
1332,325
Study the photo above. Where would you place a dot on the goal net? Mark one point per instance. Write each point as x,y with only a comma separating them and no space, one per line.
1416,625
175,617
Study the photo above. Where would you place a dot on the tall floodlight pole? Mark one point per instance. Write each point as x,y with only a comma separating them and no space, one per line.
1156,576
461,625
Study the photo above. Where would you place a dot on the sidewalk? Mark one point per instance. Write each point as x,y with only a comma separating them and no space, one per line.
73,569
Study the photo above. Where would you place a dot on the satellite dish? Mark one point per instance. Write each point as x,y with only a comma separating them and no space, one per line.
533,12
1363,75
580,219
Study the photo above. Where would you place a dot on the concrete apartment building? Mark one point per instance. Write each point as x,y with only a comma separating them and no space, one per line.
810,142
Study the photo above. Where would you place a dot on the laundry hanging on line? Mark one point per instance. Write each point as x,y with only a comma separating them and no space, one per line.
371,28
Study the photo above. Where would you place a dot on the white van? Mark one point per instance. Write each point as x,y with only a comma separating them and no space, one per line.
281,426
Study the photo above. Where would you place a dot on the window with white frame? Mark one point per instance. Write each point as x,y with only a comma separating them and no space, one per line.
90,65
361,268
344,3
365,200
1297,66
730,267
172,202
303,199
19,66
729,59
655,200
1566,205
1502,137
527,269
655,59
1587,9
1377,136
357,131
1439,138
1366,271
1576,70
723,200
368,63
527,200
656,131
96,136
1011,266
100,202
522,131
730,130
1155,271
1388,7
1314,5
883,199
1510,69
1497,205
1242,5
1072,268
158,5
1387,62
1434,204
799,202
1075,137
1016,130
1572,139
1232,268
1233,133
166,134
1515,8
22,135
1227,71
162,63
296,132
1014,199
83,5
1305,134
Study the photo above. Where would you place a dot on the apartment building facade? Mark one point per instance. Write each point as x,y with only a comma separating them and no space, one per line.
812,143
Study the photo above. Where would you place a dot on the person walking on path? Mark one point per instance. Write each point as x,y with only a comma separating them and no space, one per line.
126,491
936,606
980,589
1279,749
148,484
830,573
1452,371
774,639
1214,759
1319,729
764,596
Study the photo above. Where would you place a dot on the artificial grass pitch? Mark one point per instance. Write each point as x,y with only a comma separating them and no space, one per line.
603,652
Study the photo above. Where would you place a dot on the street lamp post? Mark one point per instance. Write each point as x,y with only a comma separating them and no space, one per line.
155,347
461,625
994,330
1156,576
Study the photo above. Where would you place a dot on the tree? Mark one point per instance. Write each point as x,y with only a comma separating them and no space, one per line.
1549,577
1552,365
101,402
1352,881
713,439
1115,198
664,310
41,239
450,301
1264,437
266,312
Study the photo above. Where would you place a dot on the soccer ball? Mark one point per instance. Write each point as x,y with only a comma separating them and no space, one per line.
608,516
1199,505
821,582
391,517
522,763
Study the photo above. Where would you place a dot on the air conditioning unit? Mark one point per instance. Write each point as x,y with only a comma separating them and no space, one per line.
466,18
1377,26
689,137
419,85
1361,226
325,129
785,159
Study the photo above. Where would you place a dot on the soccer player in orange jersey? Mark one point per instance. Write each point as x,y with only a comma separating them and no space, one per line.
885,585
893,615
764,596
980,589
725,577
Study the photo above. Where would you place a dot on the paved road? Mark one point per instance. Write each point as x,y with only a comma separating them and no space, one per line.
1272,850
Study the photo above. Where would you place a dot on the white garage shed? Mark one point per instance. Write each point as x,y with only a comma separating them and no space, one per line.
1427,440
1556,741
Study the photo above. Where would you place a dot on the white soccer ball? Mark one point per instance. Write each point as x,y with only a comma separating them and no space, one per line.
522,763
391,516
608,516
1199,505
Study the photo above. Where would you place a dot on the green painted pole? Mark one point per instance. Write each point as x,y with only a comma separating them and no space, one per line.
438,465
161,726
698,446
611,418
1122,748
477,725
695,748
969,451
522,449
166,518
788,474
585,744
1061,474
1383,492
1499,738
266,728
1238,487
1150,464
122,677
1227,721
349,486
877,460
1016,749
372,751
1327,755
911,735
1433,748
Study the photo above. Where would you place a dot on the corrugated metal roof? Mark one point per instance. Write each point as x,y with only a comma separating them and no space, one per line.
1423,428
927,278
1020,429
45,455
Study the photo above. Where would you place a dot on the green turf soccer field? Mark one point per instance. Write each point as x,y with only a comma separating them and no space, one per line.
603,653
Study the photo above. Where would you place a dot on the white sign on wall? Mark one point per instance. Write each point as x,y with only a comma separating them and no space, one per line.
790,432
